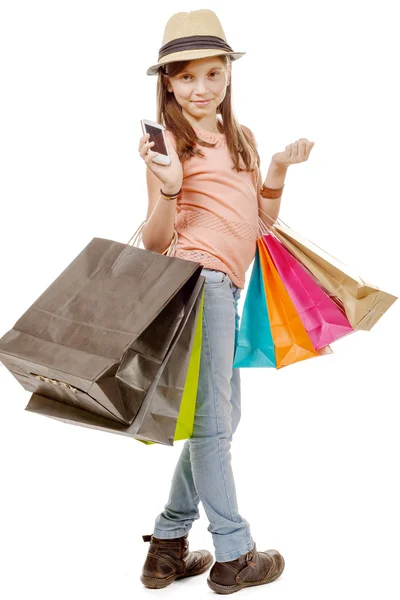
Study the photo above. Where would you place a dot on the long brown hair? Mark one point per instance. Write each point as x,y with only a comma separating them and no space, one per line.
169,114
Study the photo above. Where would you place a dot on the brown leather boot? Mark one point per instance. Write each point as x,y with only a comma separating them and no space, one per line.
253,568
170,559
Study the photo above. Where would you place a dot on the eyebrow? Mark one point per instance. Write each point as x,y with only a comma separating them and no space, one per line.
210,69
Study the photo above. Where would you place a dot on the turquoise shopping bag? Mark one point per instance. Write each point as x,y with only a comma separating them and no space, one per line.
255,347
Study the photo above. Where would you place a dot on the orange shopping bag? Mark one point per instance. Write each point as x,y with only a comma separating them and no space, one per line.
291,340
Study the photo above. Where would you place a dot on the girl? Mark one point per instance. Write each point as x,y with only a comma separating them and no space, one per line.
211,194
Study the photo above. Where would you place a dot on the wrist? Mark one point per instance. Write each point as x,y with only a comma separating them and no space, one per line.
276,176
278,168
171,188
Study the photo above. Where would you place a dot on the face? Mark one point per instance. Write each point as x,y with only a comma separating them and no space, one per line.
202,79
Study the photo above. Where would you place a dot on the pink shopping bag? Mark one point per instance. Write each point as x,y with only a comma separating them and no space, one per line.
321,317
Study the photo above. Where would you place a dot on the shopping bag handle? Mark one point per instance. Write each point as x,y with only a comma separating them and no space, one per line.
263,228
137,238
170,251
267,229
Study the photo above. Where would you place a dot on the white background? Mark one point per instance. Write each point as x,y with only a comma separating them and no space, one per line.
316,454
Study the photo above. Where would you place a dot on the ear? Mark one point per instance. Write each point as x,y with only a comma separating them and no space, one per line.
166,83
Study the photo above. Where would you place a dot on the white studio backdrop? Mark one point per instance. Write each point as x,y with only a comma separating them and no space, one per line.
316,453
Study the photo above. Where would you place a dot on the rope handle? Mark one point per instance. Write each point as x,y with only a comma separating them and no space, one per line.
267,229
170,251
55,382
137,238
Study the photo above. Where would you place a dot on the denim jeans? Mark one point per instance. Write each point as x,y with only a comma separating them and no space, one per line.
204,470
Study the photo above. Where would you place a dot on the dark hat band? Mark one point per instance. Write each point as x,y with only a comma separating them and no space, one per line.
194,42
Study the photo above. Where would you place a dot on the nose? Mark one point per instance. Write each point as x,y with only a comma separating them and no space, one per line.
201,88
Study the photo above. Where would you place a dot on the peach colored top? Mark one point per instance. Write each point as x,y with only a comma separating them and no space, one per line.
217,210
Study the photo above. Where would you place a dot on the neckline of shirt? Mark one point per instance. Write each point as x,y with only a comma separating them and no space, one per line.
209,133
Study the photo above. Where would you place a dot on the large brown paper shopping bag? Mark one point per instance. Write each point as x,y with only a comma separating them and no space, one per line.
167,412
113,302
364,303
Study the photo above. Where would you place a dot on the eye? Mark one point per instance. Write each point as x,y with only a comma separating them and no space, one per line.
212,72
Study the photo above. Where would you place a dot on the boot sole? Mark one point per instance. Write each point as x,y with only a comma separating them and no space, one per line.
229,589
157,582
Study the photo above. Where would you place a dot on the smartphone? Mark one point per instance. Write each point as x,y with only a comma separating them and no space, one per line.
157,136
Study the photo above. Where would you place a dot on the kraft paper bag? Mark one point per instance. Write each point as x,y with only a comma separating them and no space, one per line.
113,302
167,412
364,303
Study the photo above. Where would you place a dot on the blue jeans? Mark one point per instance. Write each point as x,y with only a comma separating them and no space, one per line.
204,470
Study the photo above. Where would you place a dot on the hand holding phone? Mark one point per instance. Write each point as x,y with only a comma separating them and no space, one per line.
159,155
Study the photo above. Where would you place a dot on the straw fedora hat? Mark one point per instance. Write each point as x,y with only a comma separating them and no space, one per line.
191,35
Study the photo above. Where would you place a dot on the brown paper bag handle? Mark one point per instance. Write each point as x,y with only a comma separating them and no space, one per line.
137,238
170,251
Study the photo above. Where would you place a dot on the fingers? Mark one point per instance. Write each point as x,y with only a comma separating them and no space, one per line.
144,149
289,149
142,140
305,148
310,146
149,157
144,144
300,150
